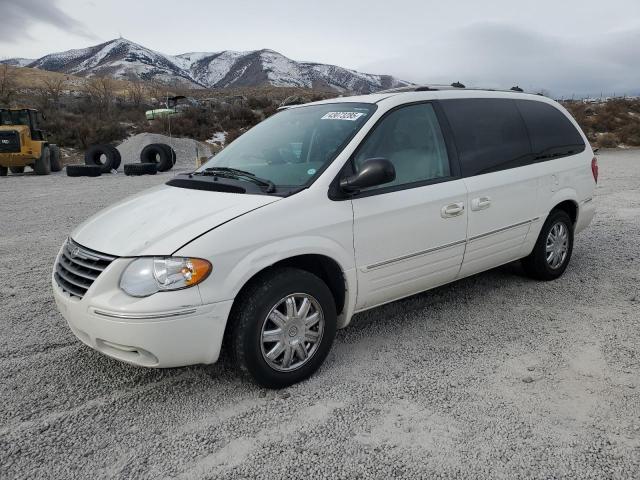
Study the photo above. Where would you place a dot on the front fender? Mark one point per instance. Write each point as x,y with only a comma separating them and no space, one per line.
270,254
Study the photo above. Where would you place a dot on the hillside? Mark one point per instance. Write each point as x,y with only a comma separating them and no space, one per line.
126,60
608,124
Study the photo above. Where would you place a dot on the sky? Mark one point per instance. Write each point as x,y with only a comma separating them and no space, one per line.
564,47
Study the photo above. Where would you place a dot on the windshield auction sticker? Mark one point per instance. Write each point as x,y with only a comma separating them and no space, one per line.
351,116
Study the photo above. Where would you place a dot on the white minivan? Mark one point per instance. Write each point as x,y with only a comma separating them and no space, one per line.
322,211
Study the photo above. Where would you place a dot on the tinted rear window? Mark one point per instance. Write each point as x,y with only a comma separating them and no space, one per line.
552,133
489,134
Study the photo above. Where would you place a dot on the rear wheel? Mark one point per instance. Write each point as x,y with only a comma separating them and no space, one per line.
552,251
3,171
283,327
56,164
43,163
16,169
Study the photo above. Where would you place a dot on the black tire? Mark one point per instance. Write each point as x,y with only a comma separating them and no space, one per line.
171,152
116,153
93,156
56,164
16,169
4,171
83,170
251,311
157,153
536,265
140,168
43,163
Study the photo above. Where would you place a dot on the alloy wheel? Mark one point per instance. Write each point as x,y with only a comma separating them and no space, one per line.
557,245
292,331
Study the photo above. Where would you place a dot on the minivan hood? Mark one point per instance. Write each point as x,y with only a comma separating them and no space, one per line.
160,220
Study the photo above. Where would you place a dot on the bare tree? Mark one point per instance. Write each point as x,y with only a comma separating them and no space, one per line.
102,91
55,87
8,84
49,91
158,91
136,92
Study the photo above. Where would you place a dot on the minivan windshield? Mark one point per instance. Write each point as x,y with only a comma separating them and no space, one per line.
291,147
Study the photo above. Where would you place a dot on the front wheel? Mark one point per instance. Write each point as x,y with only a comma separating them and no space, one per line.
43,162
552,251
283,327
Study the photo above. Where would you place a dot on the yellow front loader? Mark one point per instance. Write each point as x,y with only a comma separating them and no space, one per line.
23,144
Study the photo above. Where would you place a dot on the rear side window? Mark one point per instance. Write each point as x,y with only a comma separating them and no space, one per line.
552,133
489,133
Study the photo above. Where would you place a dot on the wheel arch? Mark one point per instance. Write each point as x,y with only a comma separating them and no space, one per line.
321,265
565,200
329,269
570,207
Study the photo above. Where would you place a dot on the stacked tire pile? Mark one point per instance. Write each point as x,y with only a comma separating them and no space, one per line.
99,159
155,157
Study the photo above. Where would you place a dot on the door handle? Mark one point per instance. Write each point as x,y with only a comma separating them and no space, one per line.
480,203
452,210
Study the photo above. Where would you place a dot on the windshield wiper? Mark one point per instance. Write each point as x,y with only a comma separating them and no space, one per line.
237,174
230,170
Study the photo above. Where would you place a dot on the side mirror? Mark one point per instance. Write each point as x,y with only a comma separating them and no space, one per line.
375,171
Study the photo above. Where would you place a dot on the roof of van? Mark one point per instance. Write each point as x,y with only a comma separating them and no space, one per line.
428,92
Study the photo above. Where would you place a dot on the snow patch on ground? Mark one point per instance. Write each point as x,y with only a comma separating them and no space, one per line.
218,138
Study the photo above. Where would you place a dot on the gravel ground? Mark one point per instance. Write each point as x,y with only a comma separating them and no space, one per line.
495,376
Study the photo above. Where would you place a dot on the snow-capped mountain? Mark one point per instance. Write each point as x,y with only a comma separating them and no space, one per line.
18,62
124,59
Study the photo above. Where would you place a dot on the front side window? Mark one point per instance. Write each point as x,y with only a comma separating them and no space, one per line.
411,139
289,148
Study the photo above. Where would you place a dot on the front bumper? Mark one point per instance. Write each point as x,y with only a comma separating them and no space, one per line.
169,329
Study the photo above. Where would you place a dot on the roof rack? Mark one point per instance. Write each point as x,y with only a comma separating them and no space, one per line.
419,88
453,86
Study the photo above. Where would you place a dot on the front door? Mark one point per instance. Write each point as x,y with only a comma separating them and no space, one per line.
409,235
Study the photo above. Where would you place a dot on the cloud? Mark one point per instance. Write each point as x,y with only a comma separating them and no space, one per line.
501,55
18,15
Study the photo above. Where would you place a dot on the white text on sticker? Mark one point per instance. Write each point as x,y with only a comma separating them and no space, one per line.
351,116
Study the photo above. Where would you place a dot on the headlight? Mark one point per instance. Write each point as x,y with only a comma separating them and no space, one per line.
148,275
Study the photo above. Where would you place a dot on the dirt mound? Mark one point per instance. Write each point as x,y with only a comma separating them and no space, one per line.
187,149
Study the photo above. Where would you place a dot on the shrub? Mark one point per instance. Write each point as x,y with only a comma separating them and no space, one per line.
608,140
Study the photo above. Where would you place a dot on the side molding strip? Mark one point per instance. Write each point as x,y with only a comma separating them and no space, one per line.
503,229
417,254
449,245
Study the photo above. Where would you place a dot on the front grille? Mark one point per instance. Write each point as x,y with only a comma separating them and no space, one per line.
9,141
78,267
